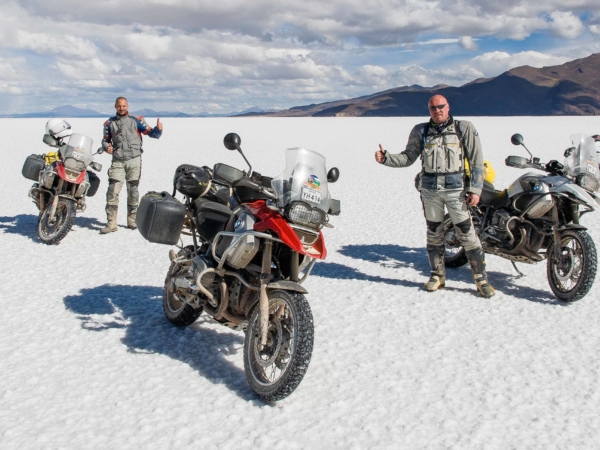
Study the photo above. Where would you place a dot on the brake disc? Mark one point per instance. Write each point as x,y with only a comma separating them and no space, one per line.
565,265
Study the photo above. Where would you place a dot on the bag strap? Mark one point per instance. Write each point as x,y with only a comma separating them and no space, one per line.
458,128
424,137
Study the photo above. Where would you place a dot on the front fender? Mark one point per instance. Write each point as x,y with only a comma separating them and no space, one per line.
572,226
287,286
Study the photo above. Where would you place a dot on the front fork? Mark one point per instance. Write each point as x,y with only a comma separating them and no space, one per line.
55,201
263,304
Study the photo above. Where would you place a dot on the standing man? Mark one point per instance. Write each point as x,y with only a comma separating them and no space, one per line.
123,140
443,145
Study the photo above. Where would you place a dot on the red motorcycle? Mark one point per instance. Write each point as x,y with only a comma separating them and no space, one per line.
254,242
62,181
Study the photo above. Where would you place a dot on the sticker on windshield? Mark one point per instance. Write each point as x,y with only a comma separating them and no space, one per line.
311,195
313,182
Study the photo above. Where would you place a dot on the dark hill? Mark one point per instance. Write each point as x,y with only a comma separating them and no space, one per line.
572,88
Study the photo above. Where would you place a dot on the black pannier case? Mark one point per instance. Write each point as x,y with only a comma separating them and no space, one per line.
94,183
33,165
160,218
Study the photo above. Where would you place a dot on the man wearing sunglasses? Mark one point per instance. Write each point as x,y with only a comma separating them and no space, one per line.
444,144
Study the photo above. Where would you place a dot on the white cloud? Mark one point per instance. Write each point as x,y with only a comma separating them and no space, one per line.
274,52
7,70
468,43
374,76
64,45
565,25
92,69
494,63
6,88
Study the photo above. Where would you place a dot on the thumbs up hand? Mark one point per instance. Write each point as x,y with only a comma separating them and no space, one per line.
380,155
159,124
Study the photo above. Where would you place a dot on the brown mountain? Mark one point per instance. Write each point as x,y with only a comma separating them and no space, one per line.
569,89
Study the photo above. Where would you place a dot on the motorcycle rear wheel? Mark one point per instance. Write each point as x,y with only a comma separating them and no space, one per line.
176,311
572,275
276,370
454,255
52,232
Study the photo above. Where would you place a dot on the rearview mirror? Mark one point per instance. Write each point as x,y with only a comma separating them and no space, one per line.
96,166
516,139
333,175
232,141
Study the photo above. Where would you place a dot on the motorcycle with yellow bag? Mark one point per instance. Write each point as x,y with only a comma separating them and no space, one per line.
62,181
538,217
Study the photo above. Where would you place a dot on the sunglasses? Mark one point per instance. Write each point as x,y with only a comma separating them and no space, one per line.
440,107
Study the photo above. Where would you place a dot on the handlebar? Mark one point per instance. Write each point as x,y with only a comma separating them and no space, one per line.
251,184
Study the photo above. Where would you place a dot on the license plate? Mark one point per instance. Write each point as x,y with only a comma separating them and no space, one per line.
311,195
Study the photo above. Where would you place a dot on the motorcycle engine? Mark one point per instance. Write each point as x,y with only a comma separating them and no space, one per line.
199,265
499,224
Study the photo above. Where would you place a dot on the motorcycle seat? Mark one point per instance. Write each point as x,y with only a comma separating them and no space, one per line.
492,197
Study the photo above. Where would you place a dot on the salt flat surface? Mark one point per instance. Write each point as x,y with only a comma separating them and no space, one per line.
87,360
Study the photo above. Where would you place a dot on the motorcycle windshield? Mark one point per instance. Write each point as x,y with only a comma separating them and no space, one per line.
79,147
581,158
304,179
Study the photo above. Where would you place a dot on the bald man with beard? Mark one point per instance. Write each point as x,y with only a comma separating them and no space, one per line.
443,144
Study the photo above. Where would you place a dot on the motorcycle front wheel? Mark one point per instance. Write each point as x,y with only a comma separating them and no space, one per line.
53,231
454,254
276,370
572,274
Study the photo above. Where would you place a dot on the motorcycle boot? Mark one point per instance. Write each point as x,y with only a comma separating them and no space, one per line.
477,261
131,216
111,220
438,269
132,203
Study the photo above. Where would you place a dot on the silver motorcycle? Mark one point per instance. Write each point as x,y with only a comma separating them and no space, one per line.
538,218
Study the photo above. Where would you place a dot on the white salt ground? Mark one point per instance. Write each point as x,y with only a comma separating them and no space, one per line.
89,362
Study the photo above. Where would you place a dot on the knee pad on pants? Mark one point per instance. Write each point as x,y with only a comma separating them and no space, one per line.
132,193
432,227
112,194
464,226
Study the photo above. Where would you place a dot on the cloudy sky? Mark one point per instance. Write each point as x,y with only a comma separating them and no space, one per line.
209,56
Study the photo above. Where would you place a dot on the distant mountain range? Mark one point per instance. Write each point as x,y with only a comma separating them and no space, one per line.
572,88
68,111
569,89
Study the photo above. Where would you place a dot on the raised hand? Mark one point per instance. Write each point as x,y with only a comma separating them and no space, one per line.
380,155
159,124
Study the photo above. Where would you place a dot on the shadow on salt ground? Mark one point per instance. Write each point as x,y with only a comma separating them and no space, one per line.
27,225
89,222
138,310
397,256
23,224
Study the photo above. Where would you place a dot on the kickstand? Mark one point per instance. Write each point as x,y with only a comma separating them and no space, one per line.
518,271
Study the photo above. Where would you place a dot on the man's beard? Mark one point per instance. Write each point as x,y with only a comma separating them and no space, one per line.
126,113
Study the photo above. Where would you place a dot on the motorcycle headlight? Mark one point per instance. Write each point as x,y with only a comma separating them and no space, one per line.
588,181
302,213
74,165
